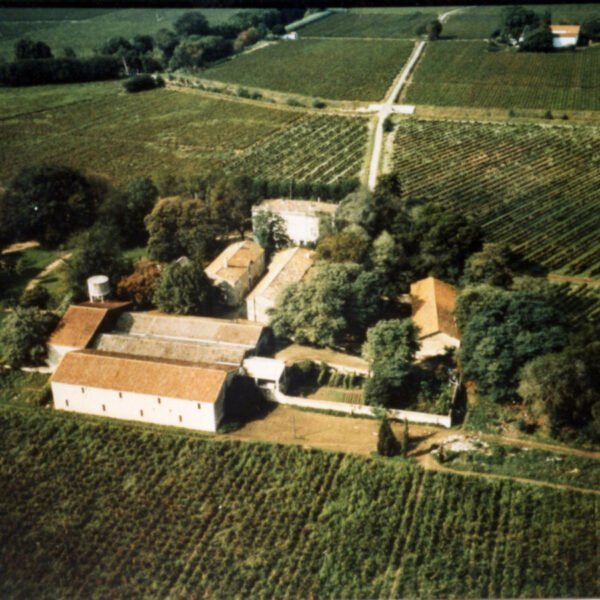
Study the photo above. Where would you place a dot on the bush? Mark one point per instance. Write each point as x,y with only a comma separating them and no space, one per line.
140,83
36,297
318,103
293,102
548,115
388,125
243,93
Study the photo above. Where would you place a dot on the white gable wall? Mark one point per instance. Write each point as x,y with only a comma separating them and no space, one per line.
564,42
301,228
203,416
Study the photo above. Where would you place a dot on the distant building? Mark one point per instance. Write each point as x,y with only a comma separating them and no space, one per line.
565,36
292,36
433,303
288,266
237,269
302,217
150,367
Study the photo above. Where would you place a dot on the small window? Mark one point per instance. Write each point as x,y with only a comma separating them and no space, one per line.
104,408
83,390
158,400
199,406
141,413
66,403
180,419
120,394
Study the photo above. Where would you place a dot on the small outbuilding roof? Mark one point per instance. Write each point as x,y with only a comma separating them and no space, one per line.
123,373
433,303
234,262
299,207
78,325
288,266
203,329
565,30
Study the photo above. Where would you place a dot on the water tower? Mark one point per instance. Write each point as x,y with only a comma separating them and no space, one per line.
98,288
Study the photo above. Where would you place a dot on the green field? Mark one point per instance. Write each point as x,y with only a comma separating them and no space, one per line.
466,74
533,187
94,509
99,128
318,148
368,24
335,69
86,29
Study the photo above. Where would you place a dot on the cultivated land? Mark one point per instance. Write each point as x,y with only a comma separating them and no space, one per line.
318,148
533,187
98,128
163,513
84,30
369,24
466,74
335,69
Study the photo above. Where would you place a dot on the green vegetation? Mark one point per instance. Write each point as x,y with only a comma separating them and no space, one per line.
466,74
102,130
315,148
335,69
19,388
533,188
156,514
87,29
369,24
29,263
531,463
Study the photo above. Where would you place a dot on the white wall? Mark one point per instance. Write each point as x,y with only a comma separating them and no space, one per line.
359,409
203,416
301,228
563,42
256,308
56,354
436,344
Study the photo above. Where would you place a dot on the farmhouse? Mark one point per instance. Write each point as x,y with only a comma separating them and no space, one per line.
288,266
141,389
301,217
236,270
150,367
433,304
565,36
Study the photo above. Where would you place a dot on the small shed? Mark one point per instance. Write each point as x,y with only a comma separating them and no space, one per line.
565,36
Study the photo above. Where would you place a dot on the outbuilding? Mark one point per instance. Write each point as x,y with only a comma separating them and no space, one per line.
565,36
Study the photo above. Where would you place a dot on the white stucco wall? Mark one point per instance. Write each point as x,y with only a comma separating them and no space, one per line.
301,229
256,309
436,344
131,406
563,42
56,354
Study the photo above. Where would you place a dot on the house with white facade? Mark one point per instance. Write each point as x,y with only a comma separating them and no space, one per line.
433,303
237,269
565,36
301,217
288,266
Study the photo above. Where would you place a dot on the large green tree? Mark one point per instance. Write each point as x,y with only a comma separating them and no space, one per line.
269,231
184,289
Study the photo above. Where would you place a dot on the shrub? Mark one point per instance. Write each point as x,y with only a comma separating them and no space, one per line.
293,102
548,114
243,93
318,103
36,297
140,83
388,125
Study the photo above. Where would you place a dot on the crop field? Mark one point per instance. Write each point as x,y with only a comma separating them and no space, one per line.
86,29
367,24
533,187
320,148
335,69
466,74
98,128
94,509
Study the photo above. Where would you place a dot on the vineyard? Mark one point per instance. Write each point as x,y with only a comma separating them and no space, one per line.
93,509
535,188
323,149
369,24
335,69
466,74
98,128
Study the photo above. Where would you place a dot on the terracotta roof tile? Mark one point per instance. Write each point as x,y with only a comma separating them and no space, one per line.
433,304
78,326
234,261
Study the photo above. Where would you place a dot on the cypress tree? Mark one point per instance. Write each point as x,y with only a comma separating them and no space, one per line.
387,445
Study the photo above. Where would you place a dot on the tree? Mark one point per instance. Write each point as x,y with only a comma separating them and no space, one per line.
387,444
492,266
35,297
167,41
98,253
195,51
515,19
332,308
28,49
590,29
46,203
230,200
504,332
116,45
270,231
390,349
562,388
346,246
387,260
537,40
23,336
377,392
143,43
433,29
184,289
140,286
192,23
179,227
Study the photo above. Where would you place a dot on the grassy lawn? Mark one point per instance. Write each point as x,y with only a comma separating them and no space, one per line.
466,74
336,69
86,29
368,23
30,262
169,514
98,128
532,187
531,463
